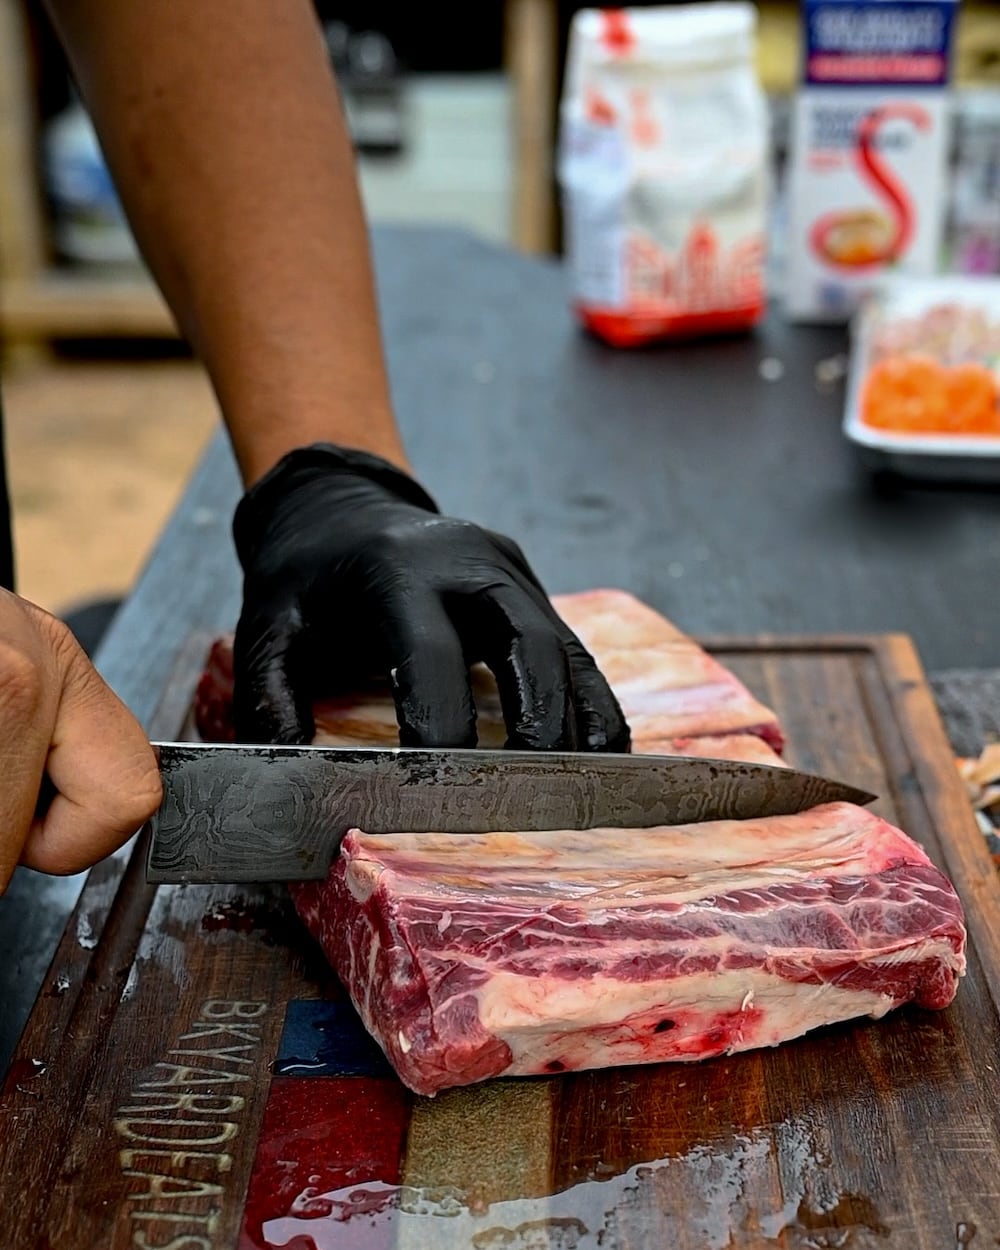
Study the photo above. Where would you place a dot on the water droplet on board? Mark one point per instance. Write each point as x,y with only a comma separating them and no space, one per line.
131,983
831,1227
85,936
265,918
59,986
22,1071
233,914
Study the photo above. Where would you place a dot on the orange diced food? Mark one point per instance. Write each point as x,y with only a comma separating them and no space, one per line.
918,395
972,394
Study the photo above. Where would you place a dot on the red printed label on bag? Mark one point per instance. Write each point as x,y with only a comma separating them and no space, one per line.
663,149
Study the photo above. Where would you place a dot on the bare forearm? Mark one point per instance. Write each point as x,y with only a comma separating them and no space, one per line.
223,129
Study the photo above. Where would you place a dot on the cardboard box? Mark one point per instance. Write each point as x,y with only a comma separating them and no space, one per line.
868,163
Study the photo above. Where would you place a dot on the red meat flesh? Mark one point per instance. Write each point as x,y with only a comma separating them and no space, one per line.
509,954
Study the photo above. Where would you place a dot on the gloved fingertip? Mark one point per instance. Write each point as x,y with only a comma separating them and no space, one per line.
531,741
278,720
267,705
600,733
444,722
427,734
602,724
551,728
427,669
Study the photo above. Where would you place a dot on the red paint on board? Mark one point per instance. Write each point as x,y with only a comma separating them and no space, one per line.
322,1135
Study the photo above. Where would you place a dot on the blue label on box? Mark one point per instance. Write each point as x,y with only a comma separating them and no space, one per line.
878,42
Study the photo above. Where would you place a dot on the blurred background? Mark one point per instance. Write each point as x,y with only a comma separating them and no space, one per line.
453,109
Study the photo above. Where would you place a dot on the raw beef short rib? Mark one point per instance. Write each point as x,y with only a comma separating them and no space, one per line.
474,956
511,954
668,686
677,699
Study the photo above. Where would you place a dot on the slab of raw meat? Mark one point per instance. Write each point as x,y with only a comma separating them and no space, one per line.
677,699
667,685
510,954
718,746
471,957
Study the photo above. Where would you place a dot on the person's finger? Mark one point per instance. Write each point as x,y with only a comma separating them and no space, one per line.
103,771
601,725
269,701
29,694
428,673
518,560
525,653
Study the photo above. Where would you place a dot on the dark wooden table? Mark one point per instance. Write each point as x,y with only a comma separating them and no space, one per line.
729,502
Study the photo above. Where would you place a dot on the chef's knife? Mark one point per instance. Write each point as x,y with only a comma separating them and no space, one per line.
265,813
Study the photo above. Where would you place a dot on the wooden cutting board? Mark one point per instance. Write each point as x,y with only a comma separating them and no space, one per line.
191,1077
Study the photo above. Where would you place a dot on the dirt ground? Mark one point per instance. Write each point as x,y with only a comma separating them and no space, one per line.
98,453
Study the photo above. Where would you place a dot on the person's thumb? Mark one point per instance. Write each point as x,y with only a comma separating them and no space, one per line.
103,775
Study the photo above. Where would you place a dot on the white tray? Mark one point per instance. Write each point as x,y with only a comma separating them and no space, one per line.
959,458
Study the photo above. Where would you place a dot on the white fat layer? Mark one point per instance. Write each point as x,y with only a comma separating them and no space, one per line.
539,988
510,1004
596,890
362,877
837,839
371,978
543,1020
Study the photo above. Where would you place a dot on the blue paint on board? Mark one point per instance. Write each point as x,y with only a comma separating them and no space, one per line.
323,1038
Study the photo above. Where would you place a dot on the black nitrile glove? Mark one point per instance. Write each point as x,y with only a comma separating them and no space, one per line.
350,571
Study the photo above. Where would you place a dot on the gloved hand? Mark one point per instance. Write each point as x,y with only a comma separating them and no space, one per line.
350,571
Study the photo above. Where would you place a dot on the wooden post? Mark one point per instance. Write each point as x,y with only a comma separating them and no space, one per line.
532,55
39,301
23,250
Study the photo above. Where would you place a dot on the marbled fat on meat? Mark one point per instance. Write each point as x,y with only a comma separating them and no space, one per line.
508,954
512,954
668,686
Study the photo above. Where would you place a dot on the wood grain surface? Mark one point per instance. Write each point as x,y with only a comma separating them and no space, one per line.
869,1134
